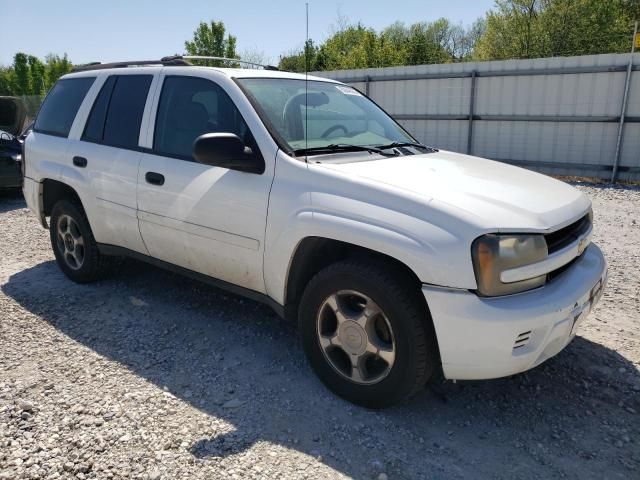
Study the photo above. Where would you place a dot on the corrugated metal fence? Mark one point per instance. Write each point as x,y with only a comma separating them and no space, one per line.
558,115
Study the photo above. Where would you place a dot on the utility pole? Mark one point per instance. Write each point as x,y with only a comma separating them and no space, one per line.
616,159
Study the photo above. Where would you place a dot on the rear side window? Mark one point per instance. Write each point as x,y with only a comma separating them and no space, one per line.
117,112
61,105
94,129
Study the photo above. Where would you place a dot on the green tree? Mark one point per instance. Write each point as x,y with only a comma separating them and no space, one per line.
55,67
210,40
22,74
543,28
31,79
356,46
428,42
37,74
297,61
583,27
463,40
393,45
7,81
28,75
512,29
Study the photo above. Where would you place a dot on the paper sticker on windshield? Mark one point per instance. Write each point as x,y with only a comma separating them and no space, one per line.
348,90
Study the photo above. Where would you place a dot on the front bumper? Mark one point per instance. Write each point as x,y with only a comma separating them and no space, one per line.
481,338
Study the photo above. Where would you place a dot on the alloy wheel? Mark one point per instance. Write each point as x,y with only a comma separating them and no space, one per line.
356,337
70,242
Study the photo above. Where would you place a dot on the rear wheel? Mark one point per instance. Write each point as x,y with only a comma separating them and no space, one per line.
367,333
73,244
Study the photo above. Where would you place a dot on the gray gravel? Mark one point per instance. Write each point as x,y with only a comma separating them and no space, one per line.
149,375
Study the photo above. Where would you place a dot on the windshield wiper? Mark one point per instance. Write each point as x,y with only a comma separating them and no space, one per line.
338,147
406,144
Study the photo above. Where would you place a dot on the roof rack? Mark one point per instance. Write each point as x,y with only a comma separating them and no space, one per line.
225,59
165,61
169,61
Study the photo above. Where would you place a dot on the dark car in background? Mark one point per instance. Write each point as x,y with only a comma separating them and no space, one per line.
12,119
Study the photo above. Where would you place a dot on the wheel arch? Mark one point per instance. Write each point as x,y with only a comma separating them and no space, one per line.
53,191
314,253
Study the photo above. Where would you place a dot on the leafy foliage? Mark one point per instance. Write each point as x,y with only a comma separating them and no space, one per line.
31,78
545,28
512,29
356,46
28,75
209,40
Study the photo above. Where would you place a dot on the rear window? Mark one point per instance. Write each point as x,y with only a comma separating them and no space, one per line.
61,105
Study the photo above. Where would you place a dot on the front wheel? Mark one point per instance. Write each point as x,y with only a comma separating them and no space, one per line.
367,334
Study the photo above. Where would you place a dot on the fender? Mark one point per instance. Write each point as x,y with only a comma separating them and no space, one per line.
418,255
311,201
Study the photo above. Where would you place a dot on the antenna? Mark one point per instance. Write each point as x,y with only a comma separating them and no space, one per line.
306,82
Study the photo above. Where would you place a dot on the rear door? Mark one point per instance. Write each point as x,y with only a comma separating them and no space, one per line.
47,146
207,219
108,153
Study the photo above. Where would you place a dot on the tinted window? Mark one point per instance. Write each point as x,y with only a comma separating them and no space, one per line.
190,107
94,129
122,125
61,105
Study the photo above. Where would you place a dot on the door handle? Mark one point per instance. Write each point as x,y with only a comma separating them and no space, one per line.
80,162
154,178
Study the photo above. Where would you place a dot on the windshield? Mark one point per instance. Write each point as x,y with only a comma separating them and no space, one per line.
324,115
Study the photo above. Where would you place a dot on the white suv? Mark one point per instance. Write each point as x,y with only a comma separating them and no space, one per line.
397,260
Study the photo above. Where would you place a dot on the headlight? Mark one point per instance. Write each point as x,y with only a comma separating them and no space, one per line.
493,254
16,157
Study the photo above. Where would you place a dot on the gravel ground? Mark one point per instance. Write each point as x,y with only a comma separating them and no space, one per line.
149,375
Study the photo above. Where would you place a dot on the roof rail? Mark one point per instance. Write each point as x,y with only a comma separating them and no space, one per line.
225,59
165,61
169,61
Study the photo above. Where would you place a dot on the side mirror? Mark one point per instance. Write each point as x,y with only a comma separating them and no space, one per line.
226,150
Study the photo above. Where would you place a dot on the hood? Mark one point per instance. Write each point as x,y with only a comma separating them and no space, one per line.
492,195
12,115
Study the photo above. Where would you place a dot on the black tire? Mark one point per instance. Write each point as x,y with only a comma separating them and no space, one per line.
416,353
94,266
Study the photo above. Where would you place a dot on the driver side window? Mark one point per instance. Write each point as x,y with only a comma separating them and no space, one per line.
190,107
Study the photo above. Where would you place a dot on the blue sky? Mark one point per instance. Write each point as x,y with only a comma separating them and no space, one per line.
93,30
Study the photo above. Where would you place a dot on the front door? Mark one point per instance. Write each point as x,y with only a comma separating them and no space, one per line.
207,219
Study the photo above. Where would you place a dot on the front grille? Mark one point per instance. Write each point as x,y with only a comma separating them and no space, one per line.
566,236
